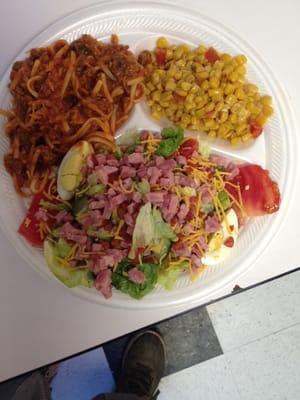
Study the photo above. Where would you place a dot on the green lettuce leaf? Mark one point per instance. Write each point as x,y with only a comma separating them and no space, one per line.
204,150
224,199
63,248
143,187
98,188
68,275
162,230
172,139
80,206
52,206
150,229
168,276
99,233
121,281
143,232
207,207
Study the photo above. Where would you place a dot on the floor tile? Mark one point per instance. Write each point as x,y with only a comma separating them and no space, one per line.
268,368
257,312
190,338
210,380
83,377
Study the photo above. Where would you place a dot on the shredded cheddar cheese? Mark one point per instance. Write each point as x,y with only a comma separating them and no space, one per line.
116,235
152,145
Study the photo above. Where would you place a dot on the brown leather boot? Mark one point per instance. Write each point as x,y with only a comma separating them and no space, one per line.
143,365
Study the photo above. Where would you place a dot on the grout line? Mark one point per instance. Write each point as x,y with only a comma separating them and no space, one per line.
262,337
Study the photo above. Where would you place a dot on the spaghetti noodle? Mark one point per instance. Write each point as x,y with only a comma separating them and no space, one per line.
63,93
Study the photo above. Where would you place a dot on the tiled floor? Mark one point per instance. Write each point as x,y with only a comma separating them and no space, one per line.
259,331
245,347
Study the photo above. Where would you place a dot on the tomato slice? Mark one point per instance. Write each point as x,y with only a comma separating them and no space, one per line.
188,147
29,228
211,55
160,56
255,128
259,193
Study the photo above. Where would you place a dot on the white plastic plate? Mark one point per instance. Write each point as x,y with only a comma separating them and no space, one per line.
138,24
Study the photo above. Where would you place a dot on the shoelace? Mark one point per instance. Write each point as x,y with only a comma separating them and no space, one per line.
139,380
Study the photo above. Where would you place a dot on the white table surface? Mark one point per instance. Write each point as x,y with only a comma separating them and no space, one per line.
41,322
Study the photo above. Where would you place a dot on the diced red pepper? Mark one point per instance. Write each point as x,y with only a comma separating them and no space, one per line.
255,128
211,55
160,56
229,242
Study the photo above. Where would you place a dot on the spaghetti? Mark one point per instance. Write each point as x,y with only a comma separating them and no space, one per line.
63,93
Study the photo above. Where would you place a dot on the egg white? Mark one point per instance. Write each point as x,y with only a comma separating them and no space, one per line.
83,148
217,251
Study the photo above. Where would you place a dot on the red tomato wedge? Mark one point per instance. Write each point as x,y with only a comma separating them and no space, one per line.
188,147
255,128
259,193
211,55
29,228
160,56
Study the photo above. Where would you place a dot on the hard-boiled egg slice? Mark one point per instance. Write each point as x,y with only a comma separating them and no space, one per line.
222,241
69,172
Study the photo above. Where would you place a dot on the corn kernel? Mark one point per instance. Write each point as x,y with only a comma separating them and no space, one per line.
150,86
209,123
185,86
156,115
225,58
240,94
266,100
200,50
205,85
267,110
233,118
223,116
214,82
169,54
229,88
241,70
246,137
178,53
241,59
170,84
162,43
233,76
155,96
235,141
185,118
230,99
178,75
194,89
203,75
181,92
190,98
210,107
261,119
251,89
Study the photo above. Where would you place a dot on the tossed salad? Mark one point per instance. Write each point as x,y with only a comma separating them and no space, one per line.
159,207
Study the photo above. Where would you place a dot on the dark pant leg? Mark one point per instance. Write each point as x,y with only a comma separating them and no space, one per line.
118,396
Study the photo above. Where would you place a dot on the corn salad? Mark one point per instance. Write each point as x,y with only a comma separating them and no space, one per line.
203,90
